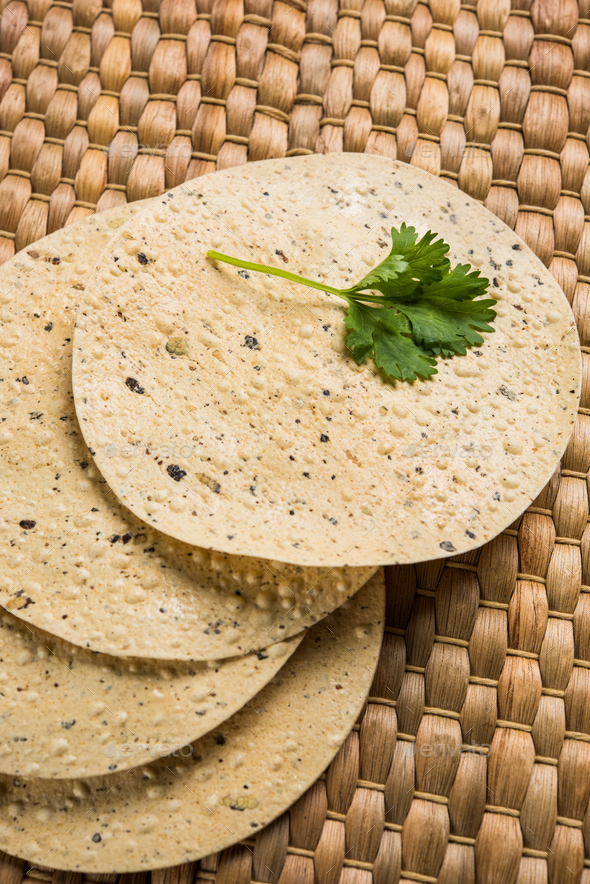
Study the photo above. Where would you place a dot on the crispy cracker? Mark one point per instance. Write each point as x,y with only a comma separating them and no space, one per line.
73,561
231,783
277,443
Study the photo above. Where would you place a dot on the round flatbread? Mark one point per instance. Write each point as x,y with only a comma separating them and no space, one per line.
69,712
224,408
228,784
73,561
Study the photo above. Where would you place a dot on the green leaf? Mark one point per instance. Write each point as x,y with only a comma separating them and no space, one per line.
382,277
425,308
411,263
447,326
426,259
360,320
458,284
385,334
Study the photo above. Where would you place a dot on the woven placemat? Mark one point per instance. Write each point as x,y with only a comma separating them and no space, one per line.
472,761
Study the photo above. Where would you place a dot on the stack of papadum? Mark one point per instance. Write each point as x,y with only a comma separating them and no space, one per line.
200,486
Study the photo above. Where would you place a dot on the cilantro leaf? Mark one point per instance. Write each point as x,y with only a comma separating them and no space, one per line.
448,325
425,309
387,333
458,284
411,263
360,321
383,277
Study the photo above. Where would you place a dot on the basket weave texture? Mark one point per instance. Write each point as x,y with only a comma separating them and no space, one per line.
488,652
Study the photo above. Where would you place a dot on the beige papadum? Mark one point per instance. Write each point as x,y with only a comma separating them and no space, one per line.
67,712
224,408
72,560
226,785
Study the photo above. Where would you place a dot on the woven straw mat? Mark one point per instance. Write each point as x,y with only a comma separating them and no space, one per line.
489,651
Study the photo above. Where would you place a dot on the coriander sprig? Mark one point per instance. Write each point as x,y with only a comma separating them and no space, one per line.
425,309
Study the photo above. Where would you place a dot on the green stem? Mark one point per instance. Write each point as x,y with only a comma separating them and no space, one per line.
275,271
345,294
361,296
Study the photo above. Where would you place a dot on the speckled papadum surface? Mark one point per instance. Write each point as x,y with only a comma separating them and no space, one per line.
224,408
73,560
225,786
490,649
68,712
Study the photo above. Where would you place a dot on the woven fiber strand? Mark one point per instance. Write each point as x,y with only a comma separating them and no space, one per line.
471,762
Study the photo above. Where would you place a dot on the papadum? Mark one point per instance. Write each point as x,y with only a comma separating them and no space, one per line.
73,561
232,781
68,712
223,407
